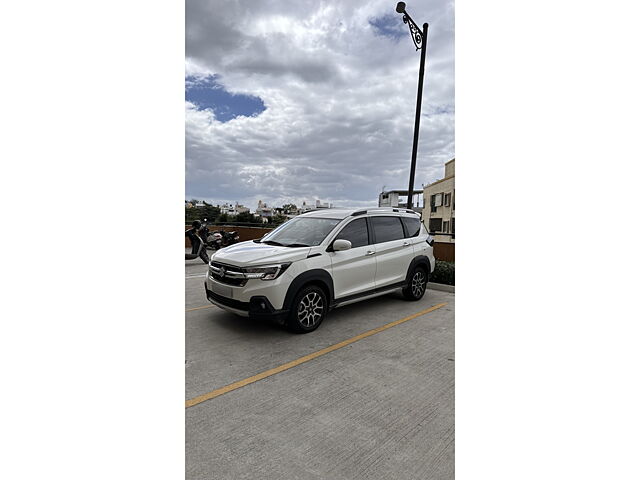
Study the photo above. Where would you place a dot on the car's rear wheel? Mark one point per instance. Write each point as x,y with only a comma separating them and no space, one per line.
417,284
308,309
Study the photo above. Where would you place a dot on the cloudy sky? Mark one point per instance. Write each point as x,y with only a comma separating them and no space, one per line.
302,100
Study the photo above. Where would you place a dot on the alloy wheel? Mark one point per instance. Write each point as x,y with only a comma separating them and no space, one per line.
418,284
310,309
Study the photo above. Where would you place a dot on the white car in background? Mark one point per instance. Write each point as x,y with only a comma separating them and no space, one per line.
321,260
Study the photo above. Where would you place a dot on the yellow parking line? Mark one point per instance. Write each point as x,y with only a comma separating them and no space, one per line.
234,386
199,308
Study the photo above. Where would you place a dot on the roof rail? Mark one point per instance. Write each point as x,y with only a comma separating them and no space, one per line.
383,209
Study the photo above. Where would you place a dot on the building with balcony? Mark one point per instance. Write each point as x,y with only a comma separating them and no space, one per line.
439,213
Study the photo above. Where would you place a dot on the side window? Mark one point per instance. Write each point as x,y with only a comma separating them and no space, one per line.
412,226
356,232
387,229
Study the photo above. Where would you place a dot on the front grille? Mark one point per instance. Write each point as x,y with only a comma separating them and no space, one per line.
226,279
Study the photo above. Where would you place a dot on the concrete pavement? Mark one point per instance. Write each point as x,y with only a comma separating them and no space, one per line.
381,407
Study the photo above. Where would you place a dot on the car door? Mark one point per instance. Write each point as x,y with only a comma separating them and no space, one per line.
393,252
354,270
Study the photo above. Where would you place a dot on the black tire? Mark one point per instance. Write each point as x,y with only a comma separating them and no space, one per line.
417,284
304,316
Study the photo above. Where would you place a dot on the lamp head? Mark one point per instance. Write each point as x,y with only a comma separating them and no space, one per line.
400,7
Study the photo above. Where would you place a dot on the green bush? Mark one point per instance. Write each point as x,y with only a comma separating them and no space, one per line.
445,272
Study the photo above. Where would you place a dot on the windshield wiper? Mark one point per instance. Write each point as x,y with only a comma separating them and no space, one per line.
297,245
271,242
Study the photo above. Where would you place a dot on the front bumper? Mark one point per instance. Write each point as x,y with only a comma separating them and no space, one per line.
258,307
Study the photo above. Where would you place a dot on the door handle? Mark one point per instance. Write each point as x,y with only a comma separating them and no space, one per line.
370,252
406,244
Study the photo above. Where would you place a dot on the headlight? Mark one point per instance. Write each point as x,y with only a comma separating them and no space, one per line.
268,272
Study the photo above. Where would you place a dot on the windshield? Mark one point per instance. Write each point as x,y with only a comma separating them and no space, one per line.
301,232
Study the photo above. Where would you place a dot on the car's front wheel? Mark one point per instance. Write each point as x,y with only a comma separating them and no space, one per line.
308,310
417,284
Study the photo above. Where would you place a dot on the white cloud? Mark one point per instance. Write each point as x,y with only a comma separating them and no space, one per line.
340,101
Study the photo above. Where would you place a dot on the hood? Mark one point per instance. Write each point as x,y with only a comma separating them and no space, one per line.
249,253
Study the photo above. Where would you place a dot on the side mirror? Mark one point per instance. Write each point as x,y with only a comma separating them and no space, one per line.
341,245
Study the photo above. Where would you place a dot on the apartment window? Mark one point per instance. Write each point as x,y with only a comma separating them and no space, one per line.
445,227
435,224
447,200
438,200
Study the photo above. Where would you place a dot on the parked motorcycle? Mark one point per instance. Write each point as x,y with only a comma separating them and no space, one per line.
198,246
212,239
206,235
220,239
227,238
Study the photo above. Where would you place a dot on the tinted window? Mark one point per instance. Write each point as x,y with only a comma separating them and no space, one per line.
412,225
387,229
299,231
356,232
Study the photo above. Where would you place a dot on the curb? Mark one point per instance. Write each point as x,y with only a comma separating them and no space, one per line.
442,287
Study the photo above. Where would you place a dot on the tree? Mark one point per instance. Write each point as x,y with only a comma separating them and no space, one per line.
200,213
246,217
209,212
277,219
290,208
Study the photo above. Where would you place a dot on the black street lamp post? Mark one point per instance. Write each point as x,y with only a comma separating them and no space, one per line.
420,41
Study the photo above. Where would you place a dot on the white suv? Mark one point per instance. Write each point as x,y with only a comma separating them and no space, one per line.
321,260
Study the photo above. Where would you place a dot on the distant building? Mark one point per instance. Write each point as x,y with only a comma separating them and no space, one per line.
319,204
304,208
399,198
263,211
200,205
440,213
233,210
